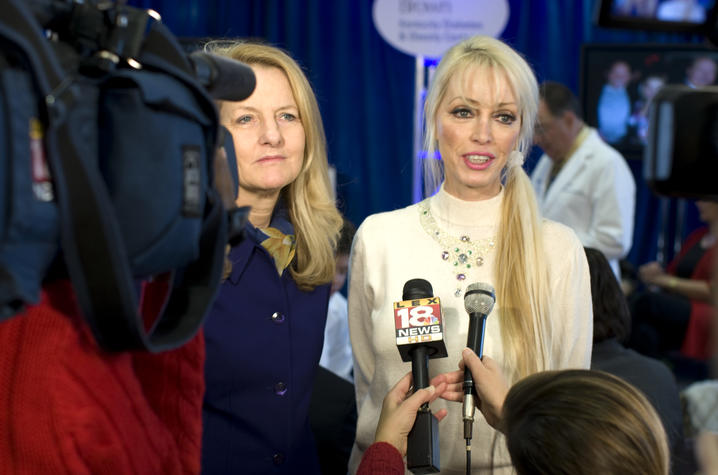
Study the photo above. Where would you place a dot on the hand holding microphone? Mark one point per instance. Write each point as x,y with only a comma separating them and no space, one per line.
399,410
490,385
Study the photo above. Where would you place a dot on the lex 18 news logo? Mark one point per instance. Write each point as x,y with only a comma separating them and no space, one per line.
417,320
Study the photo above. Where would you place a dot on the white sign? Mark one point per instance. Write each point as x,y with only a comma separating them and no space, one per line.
430,27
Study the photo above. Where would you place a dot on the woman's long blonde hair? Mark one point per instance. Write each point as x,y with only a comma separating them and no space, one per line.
309,197
520,270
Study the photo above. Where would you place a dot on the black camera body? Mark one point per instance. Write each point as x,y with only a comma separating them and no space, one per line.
117,181
681,154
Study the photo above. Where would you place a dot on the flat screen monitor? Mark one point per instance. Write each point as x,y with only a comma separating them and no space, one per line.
618,81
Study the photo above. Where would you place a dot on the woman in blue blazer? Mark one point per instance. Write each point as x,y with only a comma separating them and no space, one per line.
264,334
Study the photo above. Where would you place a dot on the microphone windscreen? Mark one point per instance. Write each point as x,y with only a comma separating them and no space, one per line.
479,298
417,289
224,78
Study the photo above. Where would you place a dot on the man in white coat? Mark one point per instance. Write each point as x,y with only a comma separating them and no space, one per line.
580,180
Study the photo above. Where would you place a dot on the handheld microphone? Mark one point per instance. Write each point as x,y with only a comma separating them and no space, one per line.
420,336
224,78
478,301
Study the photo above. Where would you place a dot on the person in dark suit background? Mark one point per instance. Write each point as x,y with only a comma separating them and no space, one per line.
611,326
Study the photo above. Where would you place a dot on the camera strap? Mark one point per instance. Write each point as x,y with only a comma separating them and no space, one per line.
91,239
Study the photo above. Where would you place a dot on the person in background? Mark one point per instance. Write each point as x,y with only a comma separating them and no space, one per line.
482,225
581,181
264,333
337,351
675,311
333,411
707,442
611,325
614,103
647,89
701,72
706,446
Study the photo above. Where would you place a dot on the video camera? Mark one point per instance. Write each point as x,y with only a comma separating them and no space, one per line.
681,153
110,136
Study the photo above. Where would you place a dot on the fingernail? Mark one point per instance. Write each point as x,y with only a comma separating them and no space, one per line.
431,388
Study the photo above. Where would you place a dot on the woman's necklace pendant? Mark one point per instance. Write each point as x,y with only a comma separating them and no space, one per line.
461,253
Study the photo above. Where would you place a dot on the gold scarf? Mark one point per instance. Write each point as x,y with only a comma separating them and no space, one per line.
280,246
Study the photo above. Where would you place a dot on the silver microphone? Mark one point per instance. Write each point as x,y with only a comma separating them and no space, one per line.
479,300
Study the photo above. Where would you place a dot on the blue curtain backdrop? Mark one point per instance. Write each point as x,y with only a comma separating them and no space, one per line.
365,87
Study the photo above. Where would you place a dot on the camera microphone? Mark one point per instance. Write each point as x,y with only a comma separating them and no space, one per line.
224,78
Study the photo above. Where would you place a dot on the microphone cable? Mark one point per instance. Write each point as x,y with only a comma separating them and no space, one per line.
468,456
468,410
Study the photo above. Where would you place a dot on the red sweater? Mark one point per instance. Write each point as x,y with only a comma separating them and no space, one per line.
70,408
381,458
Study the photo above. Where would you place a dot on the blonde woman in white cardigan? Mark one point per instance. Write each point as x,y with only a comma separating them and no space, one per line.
481,226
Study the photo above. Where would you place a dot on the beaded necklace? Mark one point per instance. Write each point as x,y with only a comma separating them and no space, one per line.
461,253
